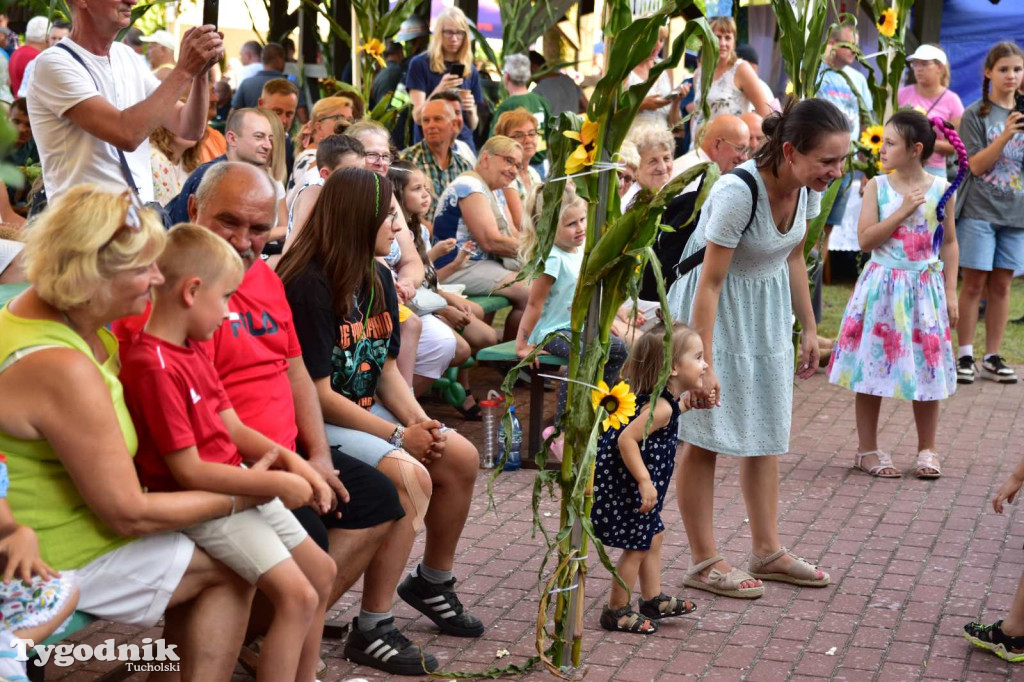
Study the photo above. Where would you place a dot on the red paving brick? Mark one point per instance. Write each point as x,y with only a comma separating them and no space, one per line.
911,562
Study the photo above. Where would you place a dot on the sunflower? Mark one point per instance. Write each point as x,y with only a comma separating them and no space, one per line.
619,402
872,138
887,23
374,48
583,155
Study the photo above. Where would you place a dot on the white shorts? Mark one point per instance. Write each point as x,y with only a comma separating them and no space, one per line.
133,584
436,348
250,542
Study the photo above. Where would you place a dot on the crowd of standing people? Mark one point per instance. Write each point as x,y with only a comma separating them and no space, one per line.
249,437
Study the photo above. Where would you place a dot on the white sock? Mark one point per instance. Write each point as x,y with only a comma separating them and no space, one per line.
967,350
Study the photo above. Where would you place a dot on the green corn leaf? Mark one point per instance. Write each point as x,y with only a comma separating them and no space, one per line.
816,227
336,29
391,22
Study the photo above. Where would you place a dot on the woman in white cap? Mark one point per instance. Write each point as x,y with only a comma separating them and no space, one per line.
930,94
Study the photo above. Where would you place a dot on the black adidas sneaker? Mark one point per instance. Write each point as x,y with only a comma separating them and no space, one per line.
440,604
387,649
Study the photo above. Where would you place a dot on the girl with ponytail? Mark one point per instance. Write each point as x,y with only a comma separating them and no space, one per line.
989,226
895,339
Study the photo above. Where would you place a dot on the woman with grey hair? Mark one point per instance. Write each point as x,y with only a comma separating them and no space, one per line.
516,76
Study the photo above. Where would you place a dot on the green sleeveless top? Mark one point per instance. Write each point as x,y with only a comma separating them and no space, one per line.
42,494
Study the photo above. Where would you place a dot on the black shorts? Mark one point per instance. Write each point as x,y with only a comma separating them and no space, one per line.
373,500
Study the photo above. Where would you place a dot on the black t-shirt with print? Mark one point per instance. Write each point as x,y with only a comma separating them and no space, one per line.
349,351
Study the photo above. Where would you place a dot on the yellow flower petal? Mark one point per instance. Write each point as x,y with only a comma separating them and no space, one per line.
619,402
887,23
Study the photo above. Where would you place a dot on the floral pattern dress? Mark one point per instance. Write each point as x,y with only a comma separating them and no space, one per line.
895,340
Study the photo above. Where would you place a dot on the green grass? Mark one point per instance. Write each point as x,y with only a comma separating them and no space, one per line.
835,296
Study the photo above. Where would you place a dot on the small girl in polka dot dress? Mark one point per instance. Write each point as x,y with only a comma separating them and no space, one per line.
632,476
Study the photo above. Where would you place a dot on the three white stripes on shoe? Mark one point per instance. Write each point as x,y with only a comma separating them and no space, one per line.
381,650
438,603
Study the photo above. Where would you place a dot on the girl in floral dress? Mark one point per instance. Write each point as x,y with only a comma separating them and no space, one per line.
895,340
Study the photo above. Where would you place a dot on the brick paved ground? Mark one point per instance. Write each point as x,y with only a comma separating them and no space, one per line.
911,562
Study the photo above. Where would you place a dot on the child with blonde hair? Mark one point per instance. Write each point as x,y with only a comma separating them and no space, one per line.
190,438
631,477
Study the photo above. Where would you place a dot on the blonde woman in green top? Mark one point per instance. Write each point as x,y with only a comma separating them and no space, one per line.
69,440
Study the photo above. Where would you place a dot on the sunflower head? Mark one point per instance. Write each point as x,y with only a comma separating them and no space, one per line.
585,153
887,23
872,138
618,402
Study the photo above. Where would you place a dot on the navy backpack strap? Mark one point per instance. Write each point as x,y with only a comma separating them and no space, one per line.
125,170
697,257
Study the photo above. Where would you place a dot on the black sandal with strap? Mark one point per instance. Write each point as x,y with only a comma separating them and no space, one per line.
992,638
664,606
634,621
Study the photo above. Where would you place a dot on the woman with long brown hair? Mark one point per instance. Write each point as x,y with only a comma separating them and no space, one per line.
346,317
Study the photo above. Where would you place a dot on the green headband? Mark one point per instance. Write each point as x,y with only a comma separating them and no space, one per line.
376,194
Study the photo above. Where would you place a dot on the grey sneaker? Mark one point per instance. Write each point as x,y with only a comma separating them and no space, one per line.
965,370
994,369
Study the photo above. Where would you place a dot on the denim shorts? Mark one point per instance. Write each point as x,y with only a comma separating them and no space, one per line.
835,216
365,447
986,246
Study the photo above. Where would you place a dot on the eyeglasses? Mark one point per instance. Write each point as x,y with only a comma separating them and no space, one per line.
450,33
625,178
132,219
374,157
740,149
519,137
510,160
333,117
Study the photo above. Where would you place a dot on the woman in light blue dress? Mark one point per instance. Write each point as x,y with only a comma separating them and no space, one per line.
741,300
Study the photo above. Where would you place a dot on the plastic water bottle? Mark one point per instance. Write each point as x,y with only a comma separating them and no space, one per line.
515,458
491,411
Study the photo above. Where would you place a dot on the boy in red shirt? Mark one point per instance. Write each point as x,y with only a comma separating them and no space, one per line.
190,438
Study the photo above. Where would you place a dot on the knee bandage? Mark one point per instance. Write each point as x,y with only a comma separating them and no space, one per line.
410,470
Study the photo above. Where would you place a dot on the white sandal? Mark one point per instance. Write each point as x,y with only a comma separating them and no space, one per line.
928,464
884,462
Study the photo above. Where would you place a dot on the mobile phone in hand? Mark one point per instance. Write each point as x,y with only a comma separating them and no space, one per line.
457,70
1018,103
210,12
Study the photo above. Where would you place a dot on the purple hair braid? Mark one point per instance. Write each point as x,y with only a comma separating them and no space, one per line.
963,166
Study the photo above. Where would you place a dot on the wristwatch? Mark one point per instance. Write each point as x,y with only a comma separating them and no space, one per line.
398,436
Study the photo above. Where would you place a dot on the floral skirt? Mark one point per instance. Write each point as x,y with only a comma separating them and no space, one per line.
895,340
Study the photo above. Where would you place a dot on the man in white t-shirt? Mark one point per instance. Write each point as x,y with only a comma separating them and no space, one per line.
79,121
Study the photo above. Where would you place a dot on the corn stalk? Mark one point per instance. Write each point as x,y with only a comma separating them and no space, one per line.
615,246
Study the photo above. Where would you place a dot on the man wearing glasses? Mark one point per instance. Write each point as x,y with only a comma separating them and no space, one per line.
435,154
726,141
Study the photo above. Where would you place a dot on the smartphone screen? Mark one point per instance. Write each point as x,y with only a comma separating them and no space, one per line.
457,70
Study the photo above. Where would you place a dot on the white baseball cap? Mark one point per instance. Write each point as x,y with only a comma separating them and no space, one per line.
924,53
162,38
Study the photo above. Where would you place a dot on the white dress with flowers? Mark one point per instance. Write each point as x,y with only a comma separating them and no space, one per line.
895,340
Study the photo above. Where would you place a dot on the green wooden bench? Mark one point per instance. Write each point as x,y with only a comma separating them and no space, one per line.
506,353
490,304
